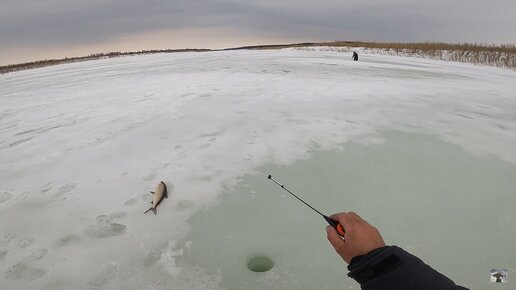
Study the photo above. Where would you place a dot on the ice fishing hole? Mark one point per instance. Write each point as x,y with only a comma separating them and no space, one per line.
260,264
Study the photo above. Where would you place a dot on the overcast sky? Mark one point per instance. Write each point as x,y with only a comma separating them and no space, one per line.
39,29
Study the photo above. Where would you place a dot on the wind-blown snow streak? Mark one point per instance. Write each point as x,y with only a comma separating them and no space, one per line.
82,144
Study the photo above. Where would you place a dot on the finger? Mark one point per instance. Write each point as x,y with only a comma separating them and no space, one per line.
336,216
354,216
335,240
345,219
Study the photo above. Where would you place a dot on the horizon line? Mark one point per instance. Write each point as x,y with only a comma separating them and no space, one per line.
55,61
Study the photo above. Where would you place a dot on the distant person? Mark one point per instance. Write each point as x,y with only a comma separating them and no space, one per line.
355,56
377,266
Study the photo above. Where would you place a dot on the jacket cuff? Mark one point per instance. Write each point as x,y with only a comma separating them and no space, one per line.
374,264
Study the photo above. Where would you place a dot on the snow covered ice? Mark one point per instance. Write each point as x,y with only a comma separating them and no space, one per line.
422,149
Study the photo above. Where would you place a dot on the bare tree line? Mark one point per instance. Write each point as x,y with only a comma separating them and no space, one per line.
93,56
486,54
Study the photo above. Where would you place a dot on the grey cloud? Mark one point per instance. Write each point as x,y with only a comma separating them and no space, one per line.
99,22
34,22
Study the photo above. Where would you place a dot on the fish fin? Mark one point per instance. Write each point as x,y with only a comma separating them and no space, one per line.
166,194
152,192
154,210
149,209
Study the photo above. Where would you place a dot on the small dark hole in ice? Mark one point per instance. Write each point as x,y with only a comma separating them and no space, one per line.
260,264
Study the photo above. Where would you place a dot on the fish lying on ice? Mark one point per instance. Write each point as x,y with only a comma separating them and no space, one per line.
158,196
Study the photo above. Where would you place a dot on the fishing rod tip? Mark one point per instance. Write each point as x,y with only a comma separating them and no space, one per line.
269,177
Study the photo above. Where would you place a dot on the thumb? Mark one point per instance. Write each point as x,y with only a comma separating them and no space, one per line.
335,239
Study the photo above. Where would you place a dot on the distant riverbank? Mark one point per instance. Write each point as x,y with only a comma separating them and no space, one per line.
483,54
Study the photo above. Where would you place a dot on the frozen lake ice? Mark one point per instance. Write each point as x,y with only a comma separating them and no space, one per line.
422,149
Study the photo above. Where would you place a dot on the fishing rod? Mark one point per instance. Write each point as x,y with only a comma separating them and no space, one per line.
335,224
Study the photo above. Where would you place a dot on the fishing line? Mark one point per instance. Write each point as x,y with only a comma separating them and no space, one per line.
335,224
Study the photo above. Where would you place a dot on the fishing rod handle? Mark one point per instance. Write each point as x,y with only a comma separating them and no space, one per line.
340,230
336,225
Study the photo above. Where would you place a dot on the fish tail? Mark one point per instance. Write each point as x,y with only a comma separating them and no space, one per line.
154,210
151,208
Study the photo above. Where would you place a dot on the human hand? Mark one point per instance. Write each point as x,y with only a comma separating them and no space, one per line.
360,239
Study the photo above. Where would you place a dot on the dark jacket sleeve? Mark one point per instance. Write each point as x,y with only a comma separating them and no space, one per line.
391,267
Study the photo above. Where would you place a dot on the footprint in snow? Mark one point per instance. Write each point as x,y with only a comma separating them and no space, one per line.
104,228
2,254
5,196
39,254
131,201
6,240
47,187
68,239
24,271
25,243
108,274
65,190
